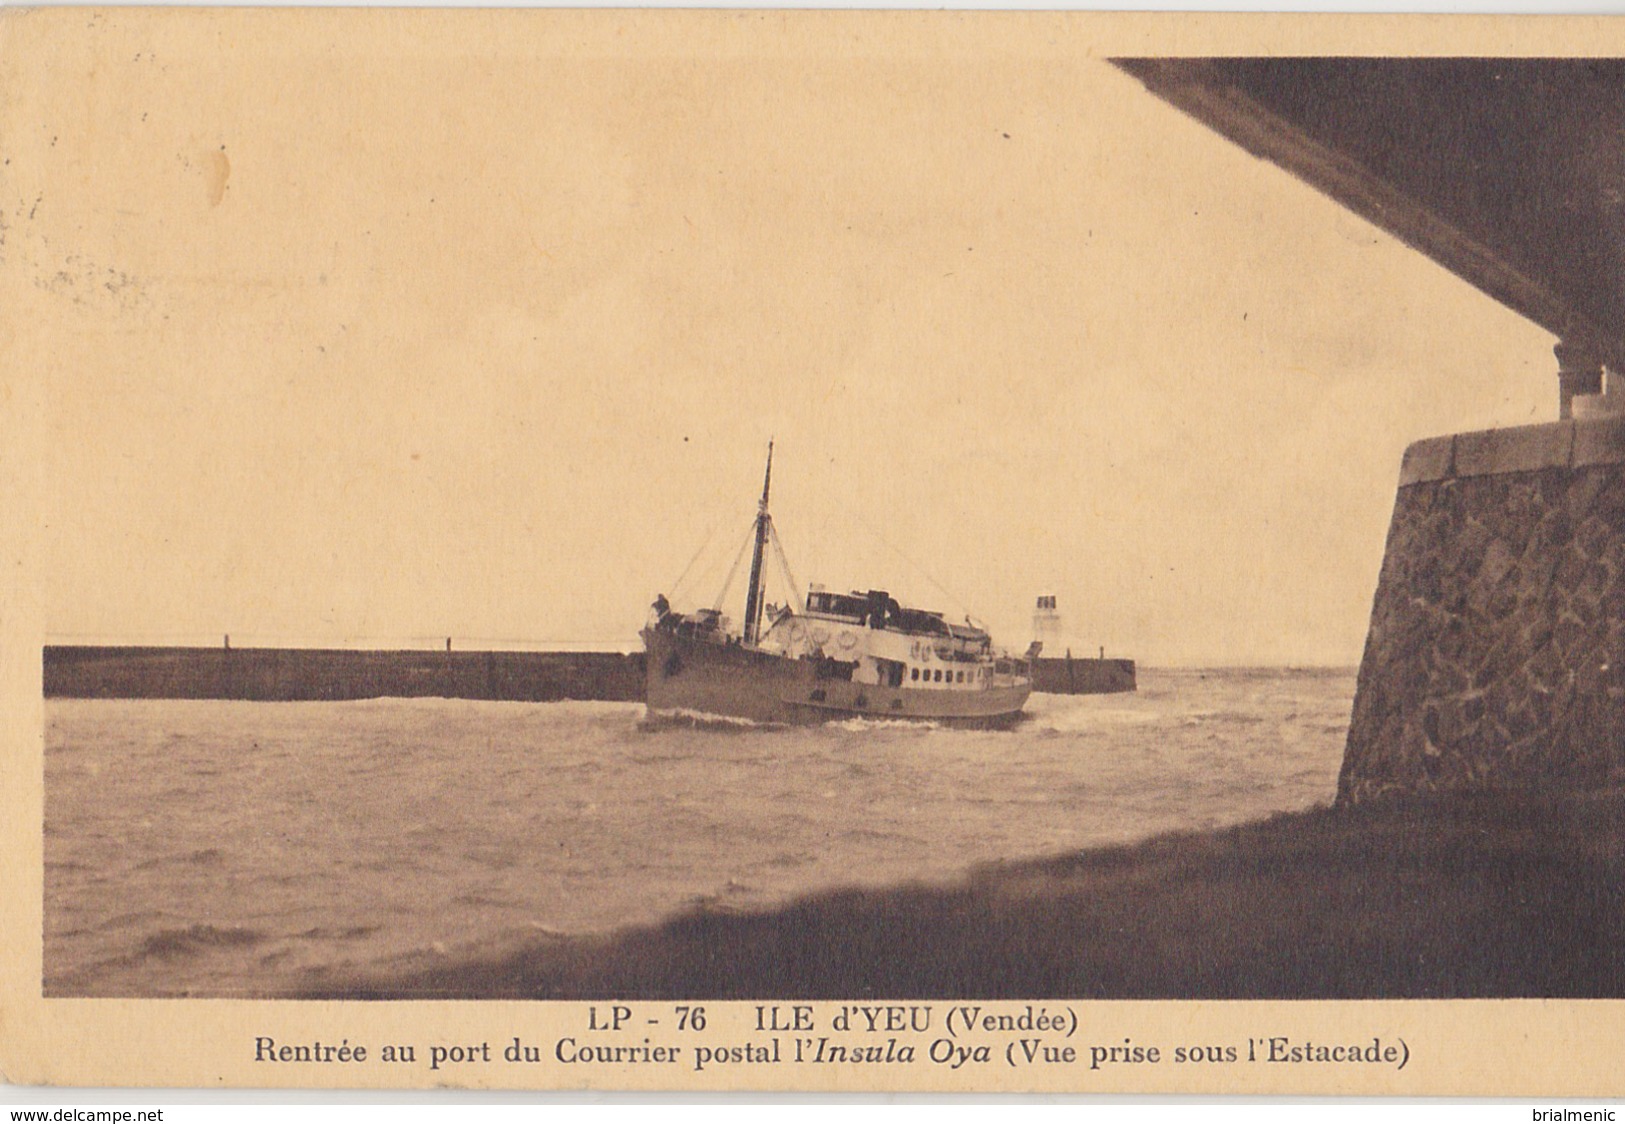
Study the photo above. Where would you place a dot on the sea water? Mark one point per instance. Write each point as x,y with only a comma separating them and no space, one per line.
226,848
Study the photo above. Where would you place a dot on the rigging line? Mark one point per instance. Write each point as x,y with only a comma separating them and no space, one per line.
944,590
733,570
709,535
784,562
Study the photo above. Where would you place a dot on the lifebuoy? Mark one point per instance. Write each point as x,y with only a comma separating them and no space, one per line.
820,635
798,631
847,640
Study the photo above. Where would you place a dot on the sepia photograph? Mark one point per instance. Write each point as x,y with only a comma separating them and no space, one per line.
816,514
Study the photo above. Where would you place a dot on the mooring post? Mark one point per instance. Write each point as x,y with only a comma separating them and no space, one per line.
226,685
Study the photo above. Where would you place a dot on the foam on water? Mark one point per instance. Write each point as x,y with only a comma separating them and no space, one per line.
225,848
858,725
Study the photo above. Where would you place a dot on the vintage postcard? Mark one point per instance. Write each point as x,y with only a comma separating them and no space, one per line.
821,551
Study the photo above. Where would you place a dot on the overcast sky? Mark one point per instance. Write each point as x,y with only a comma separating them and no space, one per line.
465,328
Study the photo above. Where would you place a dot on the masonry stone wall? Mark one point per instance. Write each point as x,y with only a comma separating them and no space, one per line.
1066,675
1496,654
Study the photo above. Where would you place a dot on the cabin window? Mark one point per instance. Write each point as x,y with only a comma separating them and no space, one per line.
889,672
913,673
937,675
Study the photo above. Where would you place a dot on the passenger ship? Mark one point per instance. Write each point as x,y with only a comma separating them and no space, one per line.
844,655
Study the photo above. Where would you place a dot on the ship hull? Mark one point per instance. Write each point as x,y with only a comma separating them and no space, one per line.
698,676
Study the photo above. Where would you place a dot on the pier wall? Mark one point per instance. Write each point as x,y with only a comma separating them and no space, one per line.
306,674
1062,675
1496,653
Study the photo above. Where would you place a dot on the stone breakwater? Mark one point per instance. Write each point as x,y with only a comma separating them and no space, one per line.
1496,654
1068,675
313,674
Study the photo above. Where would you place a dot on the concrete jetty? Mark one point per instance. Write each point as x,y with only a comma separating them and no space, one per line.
318,674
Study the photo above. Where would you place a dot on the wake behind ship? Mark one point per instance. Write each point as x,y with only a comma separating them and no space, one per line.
841,656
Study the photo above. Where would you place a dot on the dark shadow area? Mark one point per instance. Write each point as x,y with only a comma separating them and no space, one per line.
1484,895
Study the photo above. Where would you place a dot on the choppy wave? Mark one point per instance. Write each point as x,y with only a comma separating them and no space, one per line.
348,933
857,725
167,943
364,832
692,719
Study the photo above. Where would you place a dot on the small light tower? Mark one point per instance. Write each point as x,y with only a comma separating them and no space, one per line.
1047,621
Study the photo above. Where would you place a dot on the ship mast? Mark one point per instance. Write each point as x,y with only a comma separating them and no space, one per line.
764,522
